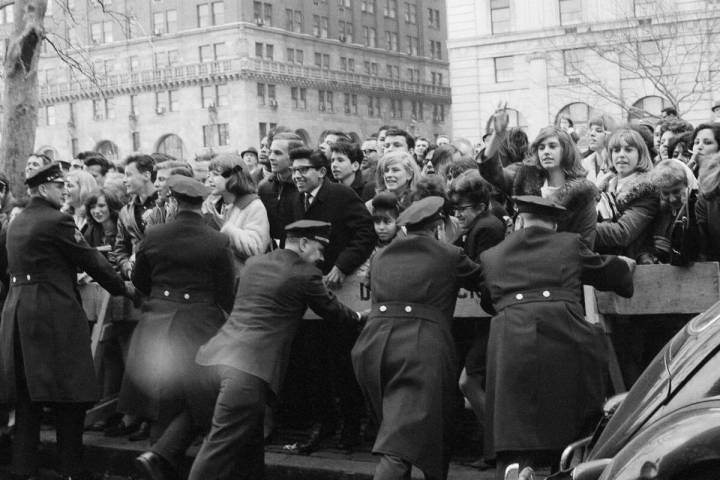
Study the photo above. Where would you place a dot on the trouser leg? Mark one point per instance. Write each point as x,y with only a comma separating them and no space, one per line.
234,447
391,467
69,422
27,435
176,439
340,344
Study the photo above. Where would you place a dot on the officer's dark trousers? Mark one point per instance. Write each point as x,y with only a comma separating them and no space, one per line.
69,423
234,447
392,467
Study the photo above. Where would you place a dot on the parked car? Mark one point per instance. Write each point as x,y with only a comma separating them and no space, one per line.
667,427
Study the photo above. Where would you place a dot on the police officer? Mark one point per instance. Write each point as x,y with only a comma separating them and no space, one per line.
546,364
45,353
252,349
405,356
186,268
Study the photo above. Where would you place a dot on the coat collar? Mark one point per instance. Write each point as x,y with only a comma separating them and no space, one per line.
40,202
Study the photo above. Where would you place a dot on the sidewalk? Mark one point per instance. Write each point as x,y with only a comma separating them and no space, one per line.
114,456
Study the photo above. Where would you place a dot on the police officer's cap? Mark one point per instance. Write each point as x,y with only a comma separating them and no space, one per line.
187,188
312,229
48,173
252,150
421,212
543,207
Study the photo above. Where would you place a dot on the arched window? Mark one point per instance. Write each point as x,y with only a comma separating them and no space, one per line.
580,113
7,14
516,119
647,107
108,149
172,145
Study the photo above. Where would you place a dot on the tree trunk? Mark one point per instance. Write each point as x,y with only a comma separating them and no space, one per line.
21,97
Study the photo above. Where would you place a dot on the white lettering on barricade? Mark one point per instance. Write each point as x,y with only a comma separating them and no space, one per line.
356,295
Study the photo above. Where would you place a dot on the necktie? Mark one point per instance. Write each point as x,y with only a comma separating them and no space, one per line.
307,201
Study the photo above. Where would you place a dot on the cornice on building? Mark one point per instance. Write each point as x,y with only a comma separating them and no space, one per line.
223,71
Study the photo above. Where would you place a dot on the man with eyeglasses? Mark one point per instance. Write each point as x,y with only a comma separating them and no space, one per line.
352,239
44,337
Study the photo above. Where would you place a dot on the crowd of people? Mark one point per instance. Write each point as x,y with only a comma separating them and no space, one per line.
218,250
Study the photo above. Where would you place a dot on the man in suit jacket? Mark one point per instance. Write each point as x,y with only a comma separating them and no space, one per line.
252,349
328,345
45,353
186,269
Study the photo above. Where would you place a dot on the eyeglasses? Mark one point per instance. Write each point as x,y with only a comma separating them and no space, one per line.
301,170
463,207
369,151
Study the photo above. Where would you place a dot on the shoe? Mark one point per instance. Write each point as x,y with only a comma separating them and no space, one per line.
154,467
318,433
105,423
142,433
349,436
120,429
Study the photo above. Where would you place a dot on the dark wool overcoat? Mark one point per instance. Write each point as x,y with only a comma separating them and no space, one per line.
405,357
546,364
43,313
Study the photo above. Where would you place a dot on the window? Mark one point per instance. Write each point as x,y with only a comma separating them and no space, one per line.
370,37
350,104
367,6
134,63
416,112
216,135
391,41
433,18
166,101
345,31
435,49
206,53
396,108
210,14
203,15
392,72
262,13
410,13
325,100
347,64
293,55
261,94
135,142
322,60
504,69
320,26
293,20
390,8
164,22
500,16
101,32
438,113
50,115
412,45
647,107
344,3
298,96
374,107
413,74
264,50
436,78
272,98
7,14
572,61
218,13
570,12
103,109
213,95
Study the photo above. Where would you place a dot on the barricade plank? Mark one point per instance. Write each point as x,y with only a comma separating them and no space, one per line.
665,289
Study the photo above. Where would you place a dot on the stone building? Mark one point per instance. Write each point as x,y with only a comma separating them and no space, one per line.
547,58
194,77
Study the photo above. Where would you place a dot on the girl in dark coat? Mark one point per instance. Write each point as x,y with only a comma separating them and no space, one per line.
708,210
552,170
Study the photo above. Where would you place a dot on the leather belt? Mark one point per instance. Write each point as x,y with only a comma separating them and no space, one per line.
41,277
538,295
406,309
183,296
